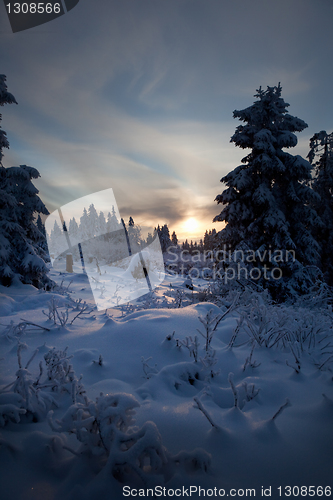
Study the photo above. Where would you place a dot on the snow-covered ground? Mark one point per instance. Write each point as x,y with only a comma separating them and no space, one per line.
251,406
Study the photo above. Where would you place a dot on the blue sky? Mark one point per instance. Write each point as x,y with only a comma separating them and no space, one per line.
138,95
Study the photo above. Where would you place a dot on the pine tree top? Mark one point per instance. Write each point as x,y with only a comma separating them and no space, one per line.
5,96
268,125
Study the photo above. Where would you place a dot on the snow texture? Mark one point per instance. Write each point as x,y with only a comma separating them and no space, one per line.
232,394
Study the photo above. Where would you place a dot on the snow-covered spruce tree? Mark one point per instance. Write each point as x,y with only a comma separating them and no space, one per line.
321,157
268,200
7,200
92,226
174,239
20,238
210,239
43,242
22,259
134,234
112,223
84,226
5,98
164,235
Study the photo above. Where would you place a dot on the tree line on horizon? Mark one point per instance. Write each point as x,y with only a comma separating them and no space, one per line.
92,223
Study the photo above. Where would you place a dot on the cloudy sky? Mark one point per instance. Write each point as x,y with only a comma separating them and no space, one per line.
138,95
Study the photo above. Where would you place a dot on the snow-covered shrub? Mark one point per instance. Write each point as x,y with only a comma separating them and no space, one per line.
191,462
147,369
209,323
192,344
99,362
61,317
303,327
249,361
32,399
14,332
246,392
60,374
105,429
202,408
36,394
208,362
11,408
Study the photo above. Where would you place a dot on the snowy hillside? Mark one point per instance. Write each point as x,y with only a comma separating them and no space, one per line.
251,406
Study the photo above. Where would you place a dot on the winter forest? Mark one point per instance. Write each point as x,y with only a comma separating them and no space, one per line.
216,380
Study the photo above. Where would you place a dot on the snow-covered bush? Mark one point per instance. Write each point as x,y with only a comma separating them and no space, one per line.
27,391
60,374
147,369
59,313
34,395
296,329
105,430
11,408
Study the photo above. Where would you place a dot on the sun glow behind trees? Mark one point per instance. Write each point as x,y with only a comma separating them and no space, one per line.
191,228
190,225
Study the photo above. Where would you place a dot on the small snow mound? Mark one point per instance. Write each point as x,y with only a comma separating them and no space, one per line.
86,354
109,323
7,305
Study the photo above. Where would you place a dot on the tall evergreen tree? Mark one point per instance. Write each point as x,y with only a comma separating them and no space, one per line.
210,239
84,229
268,200
7,200
101,229
22,259
174,239
149,239
20,239
134,234
321,157
5,98
92,226
186,245
43,242
164,236
73,228
112,223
